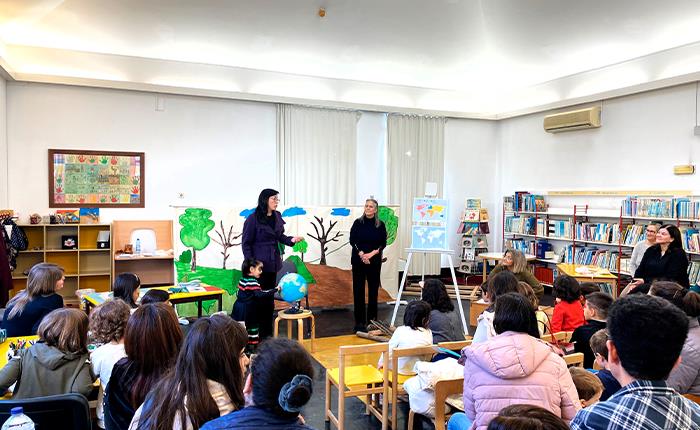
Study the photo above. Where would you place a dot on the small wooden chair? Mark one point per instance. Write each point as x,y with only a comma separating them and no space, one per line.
692,397
356,381
299,318
575,359
443,389
560,336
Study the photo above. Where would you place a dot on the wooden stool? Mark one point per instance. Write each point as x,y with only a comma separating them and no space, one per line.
300,317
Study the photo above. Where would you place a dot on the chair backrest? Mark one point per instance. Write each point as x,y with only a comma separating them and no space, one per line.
692,397
444,388
560,336
455,345
63,411
575,359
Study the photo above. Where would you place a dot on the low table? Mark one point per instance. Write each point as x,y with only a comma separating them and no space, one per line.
590,274
209,293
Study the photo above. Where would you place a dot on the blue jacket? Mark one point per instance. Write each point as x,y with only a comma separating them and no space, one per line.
254,418
260,241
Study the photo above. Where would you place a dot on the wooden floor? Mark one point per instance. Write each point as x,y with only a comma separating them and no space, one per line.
326,350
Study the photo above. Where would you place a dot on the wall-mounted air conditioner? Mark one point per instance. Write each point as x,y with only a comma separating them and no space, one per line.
572,120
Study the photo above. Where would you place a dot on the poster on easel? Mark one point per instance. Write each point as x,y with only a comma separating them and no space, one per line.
429,229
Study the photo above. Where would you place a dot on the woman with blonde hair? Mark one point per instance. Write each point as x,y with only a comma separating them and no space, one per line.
26,310
514,261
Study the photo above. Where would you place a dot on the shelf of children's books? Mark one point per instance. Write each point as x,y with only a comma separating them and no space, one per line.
593,242
548,261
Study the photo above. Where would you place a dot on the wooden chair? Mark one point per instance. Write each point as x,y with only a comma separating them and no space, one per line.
560,336
575,359
692,397
357,381
443,389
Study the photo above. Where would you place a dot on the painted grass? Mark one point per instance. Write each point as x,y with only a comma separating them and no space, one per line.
226,279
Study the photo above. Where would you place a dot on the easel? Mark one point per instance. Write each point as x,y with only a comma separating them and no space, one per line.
425,252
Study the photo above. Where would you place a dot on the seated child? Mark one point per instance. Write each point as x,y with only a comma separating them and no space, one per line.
600,351
501,283
596,312
57,364
586,289
107,324
413,333
155,296
589,387
542,320
248,300
127,287
526,417
568,312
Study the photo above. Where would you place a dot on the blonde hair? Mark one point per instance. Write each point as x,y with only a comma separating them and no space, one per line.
587,384
41,281
519,261
526,290
377,221
65,329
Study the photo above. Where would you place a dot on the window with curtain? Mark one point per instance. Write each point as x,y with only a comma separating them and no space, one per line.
415,156
316,155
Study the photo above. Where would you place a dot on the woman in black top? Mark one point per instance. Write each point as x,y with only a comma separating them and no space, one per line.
368,239
666,260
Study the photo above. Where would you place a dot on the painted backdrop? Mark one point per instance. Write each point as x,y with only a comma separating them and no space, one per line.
208,248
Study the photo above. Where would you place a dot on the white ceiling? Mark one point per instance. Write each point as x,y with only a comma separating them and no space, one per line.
481,58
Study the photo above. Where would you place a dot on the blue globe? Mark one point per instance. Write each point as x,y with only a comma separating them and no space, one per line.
293,287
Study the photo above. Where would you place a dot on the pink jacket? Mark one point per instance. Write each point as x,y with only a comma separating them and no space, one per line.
515,368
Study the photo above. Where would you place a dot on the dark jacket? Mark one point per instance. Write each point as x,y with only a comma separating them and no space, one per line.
260,241
582,338
672,266
254,418
44,370
366,237
118,410
610,384
27,322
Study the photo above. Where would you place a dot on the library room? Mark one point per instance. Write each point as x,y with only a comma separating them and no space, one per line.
334,214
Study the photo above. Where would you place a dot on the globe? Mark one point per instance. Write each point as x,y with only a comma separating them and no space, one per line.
293,287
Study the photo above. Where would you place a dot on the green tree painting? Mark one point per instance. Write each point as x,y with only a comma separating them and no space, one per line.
391,222
301,247
196,225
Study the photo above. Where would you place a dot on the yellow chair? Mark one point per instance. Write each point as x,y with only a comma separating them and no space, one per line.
443,389
363,380
575,359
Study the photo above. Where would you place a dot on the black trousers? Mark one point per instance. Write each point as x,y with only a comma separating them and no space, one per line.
266,304
371,274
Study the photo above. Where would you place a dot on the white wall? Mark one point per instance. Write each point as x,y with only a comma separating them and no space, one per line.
216,152
3,144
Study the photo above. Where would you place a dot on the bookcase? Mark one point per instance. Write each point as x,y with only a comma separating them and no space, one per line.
473,229
153,270
86,266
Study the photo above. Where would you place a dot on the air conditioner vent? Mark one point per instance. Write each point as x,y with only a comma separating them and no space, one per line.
572,120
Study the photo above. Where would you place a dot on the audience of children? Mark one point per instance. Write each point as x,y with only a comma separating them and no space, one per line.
249,299
278,386
684,378
107,324
413,333
586,289
515,366
444,321
599,346
595,311
152,341
568,312
647,335
501,283
526,417
127,286
514,261
542,318
26,310
156,296
588,387
206,383
57,364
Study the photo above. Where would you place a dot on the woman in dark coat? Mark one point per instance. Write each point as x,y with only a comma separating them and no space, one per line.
263,231
666,260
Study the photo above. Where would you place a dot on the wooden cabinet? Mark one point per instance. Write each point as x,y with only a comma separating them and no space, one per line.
153,270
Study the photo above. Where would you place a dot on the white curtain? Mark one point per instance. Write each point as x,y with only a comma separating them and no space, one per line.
415,156
316,155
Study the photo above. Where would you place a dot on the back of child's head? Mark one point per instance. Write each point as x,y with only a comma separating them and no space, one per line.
435,294
601,302
648,333
526,291
599,343
514,312
247,265
417,314
155,296
588,288
526,417
587,384
108,321
124,286
567,288
282,375
502,283
65,329
41,281
686,300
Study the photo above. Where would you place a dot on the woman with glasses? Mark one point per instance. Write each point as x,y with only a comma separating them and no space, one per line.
641,247
665,261
263,231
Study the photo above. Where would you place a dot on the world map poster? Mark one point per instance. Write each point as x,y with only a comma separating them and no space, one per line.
96,179
429,210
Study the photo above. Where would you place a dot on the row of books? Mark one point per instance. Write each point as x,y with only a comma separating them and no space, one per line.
605,258
691,239
466,228
598,232
694,272
677,207
524,201
520,224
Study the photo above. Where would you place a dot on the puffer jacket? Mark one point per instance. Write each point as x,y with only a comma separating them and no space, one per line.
685,378
515,368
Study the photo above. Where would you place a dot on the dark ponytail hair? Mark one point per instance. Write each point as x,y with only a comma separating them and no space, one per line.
675,233
261,209
248,264
124,286
684,299
282,372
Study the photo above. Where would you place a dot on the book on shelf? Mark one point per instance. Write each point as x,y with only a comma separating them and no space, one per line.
468,228
524,201
483,215
598,232
593,256
691,239
559,229
471,215
473,204
508,205
651,207
475,241
520,224
694,272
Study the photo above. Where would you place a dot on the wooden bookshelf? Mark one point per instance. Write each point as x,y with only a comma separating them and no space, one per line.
152,270
85,267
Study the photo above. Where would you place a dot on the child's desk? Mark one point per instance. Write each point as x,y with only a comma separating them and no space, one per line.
209,293
590,274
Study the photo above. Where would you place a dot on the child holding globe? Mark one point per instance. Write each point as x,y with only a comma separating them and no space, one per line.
246,308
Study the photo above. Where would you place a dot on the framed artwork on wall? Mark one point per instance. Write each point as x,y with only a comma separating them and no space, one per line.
107,179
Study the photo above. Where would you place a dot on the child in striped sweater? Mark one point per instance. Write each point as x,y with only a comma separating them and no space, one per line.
246,308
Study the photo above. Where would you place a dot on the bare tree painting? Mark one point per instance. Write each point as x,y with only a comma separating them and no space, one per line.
324,236
226,240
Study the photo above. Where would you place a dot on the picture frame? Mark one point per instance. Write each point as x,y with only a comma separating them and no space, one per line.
94,179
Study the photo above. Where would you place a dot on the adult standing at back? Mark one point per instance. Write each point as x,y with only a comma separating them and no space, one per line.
641,247
515,262
263,231
666,260
368,240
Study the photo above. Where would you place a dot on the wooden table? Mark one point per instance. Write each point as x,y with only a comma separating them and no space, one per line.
589,274
209,293
497,256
